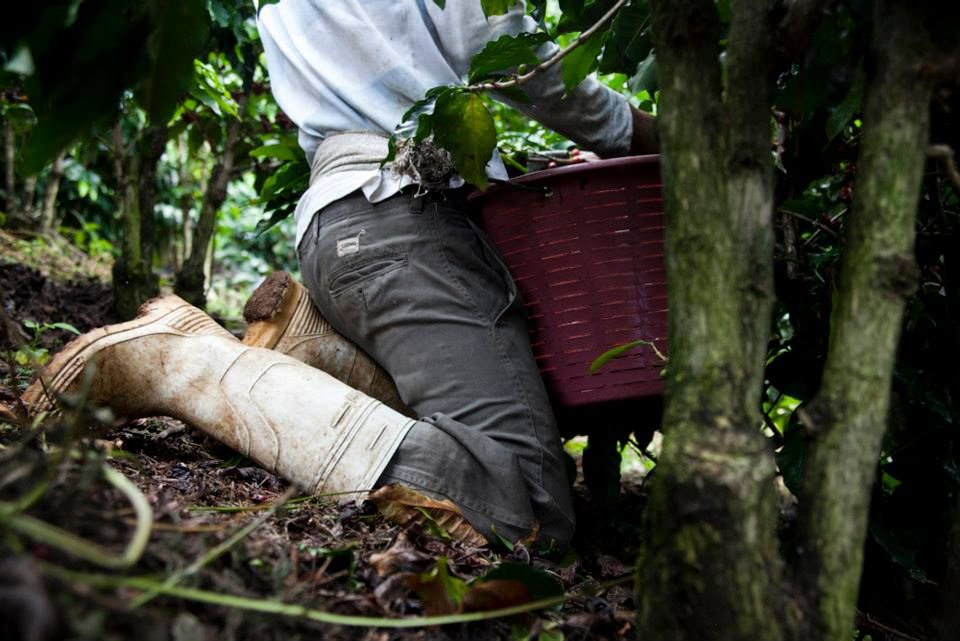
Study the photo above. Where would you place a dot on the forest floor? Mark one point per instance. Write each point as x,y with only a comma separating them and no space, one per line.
223,526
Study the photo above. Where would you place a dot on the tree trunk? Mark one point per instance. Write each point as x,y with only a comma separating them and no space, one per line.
48,210
153,143
190,282
9,169
710,567
133,280
27,212
848,417
185,204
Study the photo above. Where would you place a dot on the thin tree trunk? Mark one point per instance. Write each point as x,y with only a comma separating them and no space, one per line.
848,417
750,176
185,202
9,169
151,149
133,280
711,567
190,281
48,210
27,212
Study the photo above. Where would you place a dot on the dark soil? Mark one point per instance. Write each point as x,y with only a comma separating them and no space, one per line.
26,294
316,552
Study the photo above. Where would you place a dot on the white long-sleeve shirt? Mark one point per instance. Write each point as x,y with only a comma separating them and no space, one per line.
358,65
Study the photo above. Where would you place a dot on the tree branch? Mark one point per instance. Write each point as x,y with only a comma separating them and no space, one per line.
876,274
517,80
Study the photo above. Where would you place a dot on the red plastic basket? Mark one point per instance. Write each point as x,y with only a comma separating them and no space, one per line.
586,250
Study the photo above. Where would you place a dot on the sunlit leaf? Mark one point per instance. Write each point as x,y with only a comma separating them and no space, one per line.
464,127
619,351
496,7
580,62
279,150
67,327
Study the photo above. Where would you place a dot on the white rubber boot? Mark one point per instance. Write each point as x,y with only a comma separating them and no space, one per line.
280,316
174,360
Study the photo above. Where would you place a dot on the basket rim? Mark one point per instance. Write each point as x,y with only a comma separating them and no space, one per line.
578,168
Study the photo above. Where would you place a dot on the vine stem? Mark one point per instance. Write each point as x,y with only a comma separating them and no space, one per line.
518,80
270,606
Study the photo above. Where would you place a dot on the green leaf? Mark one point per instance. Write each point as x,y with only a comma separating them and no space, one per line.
902,553
179,33
20,116
463,126
630,39
540,584
538,9
619,351
67,327
391,151
645,79
790,457
579,15
496,7
210,90
266,3
82,70
506,53
424,127
847,109
425,104
280,151
440,3
580,62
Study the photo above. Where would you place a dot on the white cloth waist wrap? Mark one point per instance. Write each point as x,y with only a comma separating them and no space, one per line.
342,164
349,151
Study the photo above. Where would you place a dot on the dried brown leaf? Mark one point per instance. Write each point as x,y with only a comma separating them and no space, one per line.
403,506
495,594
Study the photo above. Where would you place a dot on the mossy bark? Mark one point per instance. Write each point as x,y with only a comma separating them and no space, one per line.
133,279
847,419
711,566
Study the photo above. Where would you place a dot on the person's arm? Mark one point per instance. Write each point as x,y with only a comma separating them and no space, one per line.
591,114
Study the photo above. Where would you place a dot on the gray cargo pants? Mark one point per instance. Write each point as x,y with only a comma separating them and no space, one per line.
417,286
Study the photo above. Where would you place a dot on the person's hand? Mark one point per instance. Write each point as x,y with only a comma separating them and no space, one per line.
580,155
576,156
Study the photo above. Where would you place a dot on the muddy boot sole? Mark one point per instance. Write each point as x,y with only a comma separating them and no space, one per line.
279,307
